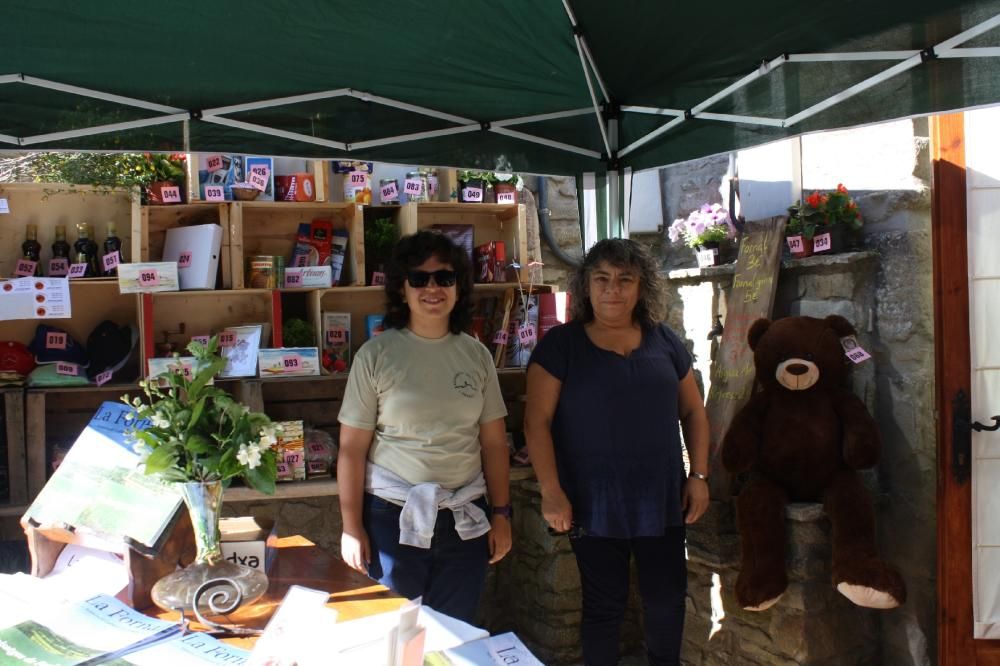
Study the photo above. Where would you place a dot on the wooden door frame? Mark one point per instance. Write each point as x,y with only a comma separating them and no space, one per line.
952,361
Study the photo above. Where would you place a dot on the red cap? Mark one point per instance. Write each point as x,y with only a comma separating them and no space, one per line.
15,357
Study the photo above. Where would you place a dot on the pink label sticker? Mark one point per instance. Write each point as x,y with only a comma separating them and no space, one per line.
821,242
215,193
857,355
795,243
336,336
55,340
291,363
390,192
71,369
77,271
25,268
149,277
317,448
500,338
282,469
378,278
171,194
103,378
203,339
292,458
111,260
413,187
213,162
472,194
506,197
358,179
259,177
186,370
227,339
184,260
58,267
293,279
526,334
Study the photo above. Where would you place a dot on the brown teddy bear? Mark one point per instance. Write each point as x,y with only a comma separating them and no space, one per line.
802,435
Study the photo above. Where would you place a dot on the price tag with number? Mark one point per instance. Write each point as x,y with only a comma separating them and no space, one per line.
111,260
526,334
291,363
472,194
282,468
55,340
706,257
203,339
390,192
25,268
293,278
853,350
795,243
58,267
77,271
227,339
184,260
317,448
213,162
359,179
186,370
821,242
103,378
70,369
171,194
500,338
149,277
413,187
378,278
336,336
215,193
259,177
506,197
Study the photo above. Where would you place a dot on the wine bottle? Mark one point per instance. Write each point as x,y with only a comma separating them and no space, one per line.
112,247
86,250
31,249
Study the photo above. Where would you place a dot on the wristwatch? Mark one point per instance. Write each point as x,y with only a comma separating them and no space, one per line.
696,475
507,511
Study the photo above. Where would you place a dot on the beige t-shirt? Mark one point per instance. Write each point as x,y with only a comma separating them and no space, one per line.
424,399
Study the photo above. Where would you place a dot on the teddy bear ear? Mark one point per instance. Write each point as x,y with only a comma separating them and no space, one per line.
757,330
840,325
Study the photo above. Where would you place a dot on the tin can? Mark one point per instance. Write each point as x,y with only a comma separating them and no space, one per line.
416,187
279,270
260,272
388,189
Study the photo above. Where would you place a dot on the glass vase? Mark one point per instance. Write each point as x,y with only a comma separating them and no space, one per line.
227,585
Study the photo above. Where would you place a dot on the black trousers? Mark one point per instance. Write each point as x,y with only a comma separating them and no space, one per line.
604,573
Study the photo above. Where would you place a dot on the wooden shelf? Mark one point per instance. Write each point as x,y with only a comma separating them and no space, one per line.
89,388
12,510
284,491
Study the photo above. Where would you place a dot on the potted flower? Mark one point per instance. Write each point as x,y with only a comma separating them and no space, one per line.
505,187
710,231
162,170
197,436
835,214
472,185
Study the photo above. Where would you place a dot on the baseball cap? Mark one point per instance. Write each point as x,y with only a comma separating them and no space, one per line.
110,347
52,345
16,362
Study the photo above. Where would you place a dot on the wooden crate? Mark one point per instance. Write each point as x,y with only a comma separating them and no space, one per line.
271,228
17,476
358,301
150,224
49,204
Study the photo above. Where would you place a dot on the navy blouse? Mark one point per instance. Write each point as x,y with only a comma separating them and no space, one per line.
616,430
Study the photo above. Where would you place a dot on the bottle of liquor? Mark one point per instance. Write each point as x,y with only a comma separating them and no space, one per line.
112,245
86,250
59,264
31,249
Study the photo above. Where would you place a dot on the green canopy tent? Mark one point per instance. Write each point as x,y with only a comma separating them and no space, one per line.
540,86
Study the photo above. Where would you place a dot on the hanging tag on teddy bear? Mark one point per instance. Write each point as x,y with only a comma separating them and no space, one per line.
853,350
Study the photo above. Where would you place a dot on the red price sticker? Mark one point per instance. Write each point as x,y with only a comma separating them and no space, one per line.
171,194
526,334
293,279
500,338
390,192
55,340
111,260
259,177
71,369
336,336
215,193
291,363
472,194
58,267
227,339
821,242
359,178
103,378
149,277
213,162
795,243
203,339
378,278
184,260
506,198
25,268
77,271
317,448
413,187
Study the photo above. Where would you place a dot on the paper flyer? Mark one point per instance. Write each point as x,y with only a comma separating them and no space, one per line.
35,298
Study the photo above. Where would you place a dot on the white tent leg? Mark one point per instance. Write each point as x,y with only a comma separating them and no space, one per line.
589,197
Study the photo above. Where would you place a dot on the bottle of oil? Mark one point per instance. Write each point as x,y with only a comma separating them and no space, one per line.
112,244
86,250
31,249
59,266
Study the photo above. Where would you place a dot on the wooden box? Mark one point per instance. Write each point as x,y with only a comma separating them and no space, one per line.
271,228
17,479
150,224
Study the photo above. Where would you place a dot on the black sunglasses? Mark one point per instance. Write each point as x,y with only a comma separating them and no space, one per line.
442,278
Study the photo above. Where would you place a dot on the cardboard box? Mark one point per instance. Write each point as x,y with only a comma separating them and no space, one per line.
295,187
249,541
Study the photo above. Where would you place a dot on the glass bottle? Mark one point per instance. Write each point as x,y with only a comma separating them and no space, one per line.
60,248
112,244
31,249
86,250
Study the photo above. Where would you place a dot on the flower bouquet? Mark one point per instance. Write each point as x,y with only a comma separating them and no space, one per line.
710,231
824,223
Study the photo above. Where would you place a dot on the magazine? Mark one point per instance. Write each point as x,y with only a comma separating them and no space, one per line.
492,651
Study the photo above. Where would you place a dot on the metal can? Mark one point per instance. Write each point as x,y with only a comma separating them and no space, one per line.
388,189
279,270
260,272
415,187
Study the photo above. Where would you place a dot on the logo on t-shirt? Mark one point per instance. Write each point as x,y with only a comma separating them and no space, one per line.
465,384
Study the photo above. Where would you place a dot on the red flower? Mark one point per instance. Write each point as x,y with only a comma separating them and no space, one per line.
841,188
814,200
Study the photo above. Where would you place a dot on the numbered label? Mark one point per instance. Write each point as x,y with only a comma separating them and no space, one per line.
227,339
414,187
472,194
500,338
336,336
186,371
103,378
795,243
25,268
293,279
58,267
203,339
71,369
855,352
526,334
215,193
506,197
706,257
821,242
291,363
111,260
358,179
282,468
259,177
293,458
390,192
317,448
184,260
171,194
55,340
149,278
77,271
378,278
213,163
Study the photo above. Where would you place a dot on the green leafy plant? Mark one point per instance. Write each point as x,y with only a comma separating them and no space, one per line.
381,235
198,432
823,210
297,332
164,167
465,175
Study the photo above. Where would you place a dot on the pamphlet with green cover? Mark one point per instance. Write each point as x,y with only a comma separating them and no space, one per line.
100,487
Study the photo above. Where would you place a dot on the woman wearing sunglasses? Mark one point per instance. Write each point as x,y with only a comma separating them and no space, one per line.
423,440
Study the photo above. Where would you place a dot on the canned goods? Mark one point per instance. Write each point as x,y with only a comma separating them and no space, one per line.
388,189
279,270
432,183
260,272
415,187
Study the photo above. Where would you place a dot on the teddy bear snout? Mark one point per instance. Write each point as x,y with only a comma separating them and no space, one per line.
797,374
797,369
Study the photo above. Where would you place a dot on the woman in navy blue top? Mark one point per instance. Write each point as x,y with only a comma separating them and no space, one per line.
606,393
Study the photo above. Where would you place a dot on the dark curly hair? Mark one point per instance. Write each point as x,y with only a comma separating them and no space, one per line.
410,252
620,253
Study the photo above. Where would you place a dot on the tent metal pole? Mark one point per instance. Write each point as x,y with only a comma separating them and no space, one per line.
589,197
540,117
96,94
762,71
978,52
593,97
261,129
966,35
7,138
385,101
547,142
652,110
277,101
416,136
586,50
649,137
626,201
10,78
749,120
613,183
103,129
852,56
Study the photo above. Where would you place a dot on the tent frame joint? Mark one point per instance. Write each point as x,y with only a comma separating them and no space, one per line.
485,126
613,163
688,114
611,111
928,54
195,114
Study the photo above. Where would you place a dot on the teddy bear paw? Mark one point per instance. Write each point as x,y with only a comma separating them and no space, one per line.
758,592
867,597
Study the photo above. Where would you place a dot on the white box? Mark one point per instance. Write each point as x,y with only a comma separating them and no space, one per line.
196,251
308,276
149,276
288,362
249,541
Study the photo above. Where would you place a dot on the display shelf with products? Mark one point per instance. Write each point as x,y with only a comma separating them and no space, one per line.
150,225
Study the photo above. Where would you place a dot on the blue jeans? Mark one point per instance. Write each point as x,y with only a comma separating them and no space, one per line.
604,574
449,575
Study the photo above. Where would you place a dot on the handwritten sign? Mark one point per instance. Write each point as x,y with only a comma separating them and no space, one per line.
103,378
68,369
390,192
414,187
184,260
25,268
526,334
506,197
111,260
170,194
149,277
259,177
822,243
213,162
500,338
58,267
77,271
215,193
472,194
795,243
54,340
227,339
